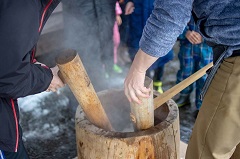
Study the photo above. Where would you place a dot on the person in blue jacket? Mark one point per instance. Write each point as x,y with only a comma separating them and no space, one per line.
139,11
21,24
216,131
193,55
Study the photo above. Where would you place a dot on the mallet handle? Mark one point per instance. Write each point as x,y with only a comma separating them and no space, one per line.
162,98
74,74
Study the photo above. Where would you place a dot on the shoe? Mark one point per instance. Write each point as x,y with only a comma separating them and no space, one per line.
158,86
117,69
182,100
106,75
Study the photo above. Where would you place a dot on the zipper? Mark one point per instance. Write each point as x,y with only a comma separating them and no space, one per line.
43,15
33,52
40,28
16,124
33,60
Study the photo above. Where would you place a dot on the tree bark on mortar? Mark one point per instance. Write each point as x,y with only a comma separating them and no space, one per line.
75,75
142,115
158,142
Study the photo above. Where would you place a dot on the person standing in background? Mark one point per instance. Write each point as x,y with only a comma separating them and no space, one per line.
124,28
116,38
139,11
88,28
193,55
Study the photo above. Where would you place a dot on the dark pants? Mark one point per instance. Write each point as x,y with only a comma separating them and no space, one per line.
88,28
20,154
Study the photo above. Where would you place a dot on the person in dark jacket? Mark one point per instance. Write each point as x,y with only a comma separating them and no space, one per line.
139,11
21,23
216,131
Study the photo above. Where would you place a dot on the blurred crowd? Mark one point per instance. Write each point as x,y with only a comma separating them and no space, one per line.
107,33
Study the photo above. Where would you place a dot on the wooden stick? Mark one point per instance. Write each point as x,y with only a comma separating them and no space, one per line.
142,115
162,98
75,75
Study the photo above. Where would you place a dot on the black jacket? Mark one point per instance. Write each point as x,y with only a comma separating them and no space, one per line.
21,23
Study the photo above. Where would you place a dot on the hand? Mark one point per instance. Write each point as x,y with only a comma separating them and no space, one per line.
134,86
129,8
119,19
56,82
194,37
134,83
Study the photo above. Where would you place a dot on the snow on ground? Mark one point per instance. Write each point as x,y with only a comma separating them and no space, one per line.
33,106
47,120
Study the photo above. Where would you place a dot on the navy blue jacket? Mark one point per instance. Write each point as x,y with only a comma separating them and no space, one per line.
138,19
21,22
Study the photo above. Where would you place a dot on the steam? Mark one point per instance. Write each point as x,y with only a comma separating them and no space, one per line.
88,28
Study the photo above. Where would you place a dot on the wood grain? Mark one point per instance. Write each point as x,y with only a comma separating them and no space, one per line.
75,75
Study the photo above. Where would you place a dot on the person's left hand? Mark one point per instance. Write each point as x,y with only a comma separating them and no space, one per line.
129,8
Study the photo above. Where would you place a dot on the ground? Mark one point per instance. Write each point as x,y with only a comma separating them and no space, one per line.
47,119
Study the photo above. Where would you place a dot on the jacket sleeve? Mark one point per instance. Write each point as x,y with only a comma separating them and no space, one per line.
18,34
182,35
18,76
165,24
21,78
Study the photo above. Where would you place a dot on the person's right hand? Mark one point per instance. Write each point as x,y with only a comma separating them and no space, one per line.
194,37
56,82
134,87
129,8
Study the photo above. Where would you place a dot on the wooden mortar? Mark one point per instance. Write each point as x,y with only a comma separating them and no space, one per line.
158,142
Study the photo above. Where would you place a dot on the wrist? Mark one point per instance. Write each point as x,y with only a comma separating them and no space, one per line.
143,61
138,65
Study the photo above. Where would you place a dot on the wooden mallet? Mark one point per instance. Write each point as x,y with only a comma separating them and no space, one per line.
142,114
162,98
74,74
